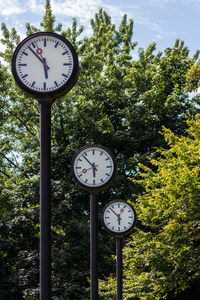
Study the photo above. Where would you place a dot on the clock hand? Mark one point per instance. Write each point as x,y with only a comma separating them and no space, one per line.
114,212
119,218
85,170
45,69
39,52
93,165
94,170
42,61
118,215
121,210
36,55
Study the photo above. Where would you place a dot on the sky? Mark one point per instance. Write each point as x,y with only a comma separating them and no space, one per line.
160,21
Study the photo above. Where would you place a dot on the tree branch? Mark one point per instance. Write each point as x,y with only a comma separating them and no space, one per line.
9,160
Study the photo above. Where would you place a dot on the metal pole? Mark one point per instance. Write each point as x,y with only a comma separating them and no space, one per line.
45,208
119,267
94,246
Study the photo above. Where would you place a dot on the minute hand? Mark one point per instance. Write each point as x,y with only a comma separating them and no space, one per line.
37,56
93,165
114,212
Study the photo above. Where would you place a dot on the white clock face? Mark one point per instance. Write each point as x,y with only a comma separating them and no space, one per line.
93,166
119,217
44,63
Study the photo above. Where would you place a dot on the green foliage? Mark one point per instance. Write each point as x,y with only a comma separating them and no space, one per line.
162,256
118,102
193,78
10,40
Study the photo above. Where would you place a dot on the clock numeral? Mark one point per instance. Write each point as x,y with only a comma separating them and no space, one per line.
108,166
44,86
86,180
93,181
118,228
33,83
25,75
107,174
125,227
45,42
101,153
65,52
67,64
56,45
101,180
80,175
131,217
33,44
107,158
23,52
22,65
107,217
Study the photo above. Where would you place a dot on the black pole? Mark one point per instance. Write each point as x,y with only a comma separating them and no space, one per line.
94,246
119,270
45,208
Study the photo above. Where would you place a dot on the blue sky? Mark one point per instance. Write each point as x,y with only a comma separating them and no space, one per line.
162,21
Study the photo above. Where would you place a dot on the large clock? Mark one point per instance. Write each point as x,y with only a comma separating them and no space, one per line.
93,167
118,217
45,65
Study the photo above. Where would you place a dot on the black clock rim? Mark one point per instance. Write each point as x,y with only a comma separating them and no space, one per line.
103,186
50,94
118,233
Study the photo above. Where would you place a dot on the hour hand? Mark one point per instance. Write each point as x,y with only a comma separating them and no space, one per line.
119,219
94,170
45,68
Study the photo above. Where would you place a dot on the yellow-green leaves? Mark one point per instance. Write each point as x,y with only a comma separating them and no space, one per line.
162,256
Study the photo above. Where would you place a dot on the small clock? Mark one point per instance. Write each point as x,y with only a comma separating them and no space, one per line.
118,217
93,167
45,65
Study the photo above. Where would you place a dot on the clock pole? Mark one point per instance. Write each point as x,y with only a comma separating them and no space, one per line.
29,58
119,267
118,218
93,167
45,206
94,245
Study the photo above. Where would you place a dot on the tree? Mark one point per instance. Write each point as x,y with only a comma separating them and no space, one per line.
118,102
161,258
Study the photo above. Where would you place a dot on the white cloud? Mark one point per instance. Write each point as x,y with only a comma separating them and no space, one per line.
35,6
84,10
171,3
76,8
10,7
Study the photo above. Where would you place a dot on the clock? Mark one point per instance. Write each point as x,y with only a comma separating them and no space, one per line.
45,65
118,217
93,167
